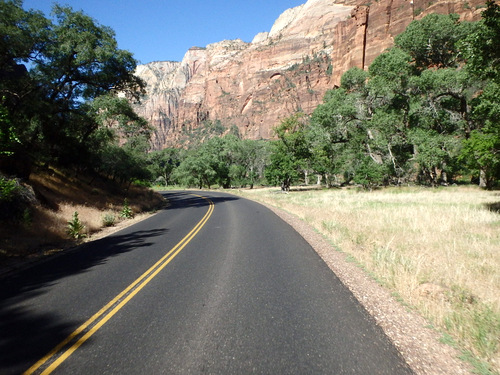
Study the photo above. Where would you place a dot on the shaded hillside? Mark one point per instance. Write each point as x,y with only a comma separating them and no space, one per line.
35,221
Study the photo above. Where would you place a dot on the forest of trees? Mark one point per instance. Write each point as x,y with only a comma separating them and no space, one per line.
427,111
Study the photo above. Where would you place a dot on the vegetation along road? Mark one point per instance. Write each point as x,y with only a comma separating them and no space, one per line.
212,284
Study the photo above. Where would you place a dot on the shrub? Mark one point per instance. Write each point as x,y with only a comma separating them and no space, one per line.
109,220
76,227
126,212
8,189
15,199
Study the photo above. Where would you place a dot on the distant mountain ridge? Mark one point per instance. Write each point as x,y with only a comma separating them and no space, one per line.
255,85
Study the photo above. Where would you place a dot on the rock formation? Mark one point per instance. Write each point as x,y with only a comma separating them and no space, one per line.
255,85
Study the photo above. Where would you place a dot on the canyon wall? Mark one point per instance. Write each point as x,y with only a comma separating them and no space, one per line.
288,69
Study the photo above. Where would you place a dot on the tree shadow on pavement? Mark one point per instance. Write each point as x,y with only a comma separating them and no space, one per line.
26,334
183,199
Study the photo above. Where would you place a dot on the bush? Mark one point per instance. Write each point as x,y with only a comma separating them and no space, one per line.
109,220
8,189
126,212
15,199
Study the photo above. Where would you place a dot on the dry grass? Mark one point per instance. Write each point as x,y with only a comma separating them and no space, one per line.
437,249
61,195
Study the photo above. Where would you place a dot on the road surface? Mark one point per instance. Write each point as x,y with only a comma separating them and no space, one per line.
214,284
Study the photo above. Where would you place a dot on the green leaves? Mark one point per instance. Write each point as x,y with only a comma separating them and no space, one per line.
411,113
432,41
65,109
481,151
354,79
224,161
76,228
481,48
81,60
8,137
126,211
290,153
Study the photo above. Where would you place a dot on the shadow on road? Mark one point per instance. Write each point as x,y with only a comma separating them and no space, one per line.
26,333
183,199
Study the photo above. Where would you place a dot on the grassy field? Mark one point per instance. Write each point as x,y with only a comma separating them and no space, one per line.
438,250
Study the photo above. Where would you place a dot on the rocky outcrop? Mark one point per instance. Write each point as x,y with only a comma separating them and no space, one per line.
255,85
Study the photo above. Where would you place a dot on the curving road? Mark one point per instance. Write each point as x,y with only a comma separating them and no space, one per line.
214,284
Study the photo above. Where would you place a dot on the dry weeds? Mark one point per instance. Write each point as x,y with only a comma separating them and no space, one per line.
45,227
438,249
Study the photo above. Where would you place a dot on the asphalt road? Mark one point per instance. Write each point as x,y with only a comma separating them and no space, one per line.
214,284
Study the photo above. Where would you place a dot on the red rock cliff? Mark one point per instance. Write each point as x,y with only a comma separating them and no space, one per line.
255,85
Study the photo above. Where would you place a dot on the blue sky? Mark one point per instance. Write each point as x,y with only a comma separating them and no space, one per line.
158,30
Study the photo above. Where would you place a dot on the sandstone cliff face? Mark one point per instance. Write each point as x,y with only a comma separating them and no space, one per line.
255,85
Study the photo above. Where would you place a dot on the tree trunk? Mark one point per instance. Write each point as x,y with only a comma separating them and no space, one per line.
285,185
444,175
483,180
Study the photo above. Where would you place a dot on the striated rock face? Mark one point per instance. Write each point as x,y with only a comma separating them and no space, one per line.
255,85
159,107
166,82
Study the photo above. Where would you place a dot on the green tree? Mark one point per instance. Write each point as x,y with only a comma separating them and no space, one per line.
413,108
354,80
350,128
481,47
251,157
439,119
127,163
430,95
195,136
368,172
195,169
290,154
8,138
481,150
390,103
331,128
81,59
218,152
434,40
163,163
22,36
74,63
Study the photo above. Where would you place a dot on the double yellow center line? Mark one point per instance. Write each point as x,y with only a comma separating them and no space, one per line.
62,351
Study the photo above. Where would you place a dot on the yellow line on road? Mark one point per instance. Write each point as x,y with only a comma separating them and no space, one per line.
103,315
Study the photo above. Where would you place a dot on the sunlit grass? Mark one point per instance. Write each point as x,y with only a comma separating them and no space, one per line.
438,249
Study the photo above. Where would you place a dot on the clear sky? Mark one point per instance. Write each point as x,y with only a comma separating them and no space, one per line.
161,30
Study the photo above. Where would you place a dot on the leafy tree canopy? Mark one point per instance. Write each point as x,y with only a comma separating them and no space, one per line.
481,48
433,40
59,83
